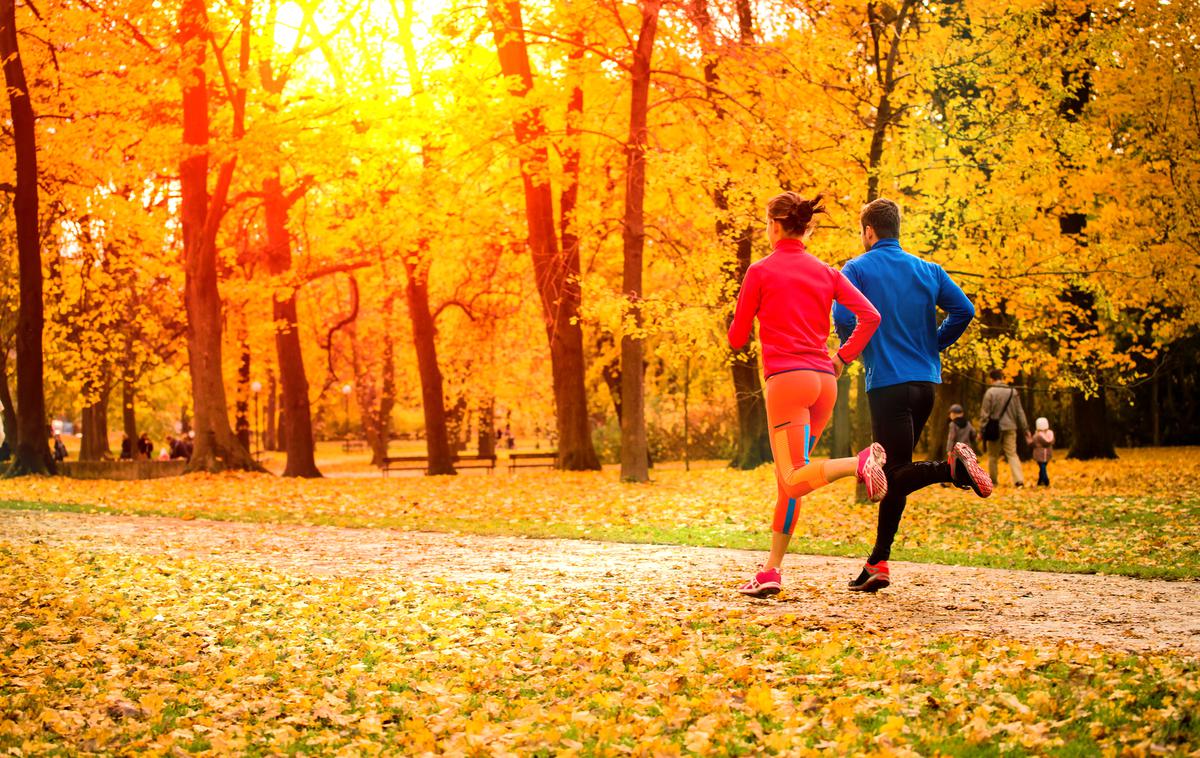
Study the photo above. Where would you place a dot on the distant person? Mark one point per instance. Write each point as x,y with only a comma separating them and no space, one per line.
959,429
60,450
1042,442
145,447
1001,417
126,448
904,364
189,444
791,292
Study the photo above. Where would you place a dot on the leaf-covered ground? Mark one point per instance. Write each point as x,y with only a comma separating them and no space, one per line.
109,649
1137,516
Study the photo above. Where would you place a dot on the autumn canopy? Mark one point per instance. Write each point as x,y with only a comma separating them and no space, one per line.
285,221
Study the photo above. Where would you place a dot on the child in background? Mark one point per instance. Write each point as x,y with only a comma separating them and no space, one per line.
1042,442
959,429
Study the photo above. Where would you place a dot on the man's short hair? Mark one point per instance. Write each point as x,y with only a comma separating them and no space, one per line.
883,216
995,375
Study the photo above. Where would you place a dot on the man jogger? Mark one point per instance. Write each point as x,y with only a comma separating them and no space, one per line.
903,364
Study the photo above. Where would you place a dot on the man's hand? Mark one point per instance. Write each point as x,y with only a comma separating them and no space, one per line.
838,365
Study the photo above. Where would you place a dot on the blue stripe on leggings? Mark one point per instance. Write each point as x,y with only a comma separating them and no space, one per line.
807,444
791,514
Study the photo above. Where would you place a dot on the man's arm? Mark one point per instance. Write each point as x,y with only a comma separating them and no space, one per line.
958,308
844,320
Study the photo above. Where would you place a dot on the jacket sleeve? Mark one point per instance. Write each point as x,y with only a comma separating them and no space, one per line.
865,315
843,318
747,307
958,308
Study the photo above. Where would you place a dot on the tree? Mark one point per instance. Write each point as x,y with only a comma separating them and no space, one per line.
32,451
216,445
557,276
634,456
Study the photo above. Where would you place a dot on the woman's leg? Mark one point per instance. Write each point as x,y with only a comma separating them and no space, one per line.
807,407
799,404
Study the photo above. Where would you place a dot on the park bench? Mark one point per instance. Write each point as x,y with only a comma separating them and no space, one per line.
351,445
548,458
421,462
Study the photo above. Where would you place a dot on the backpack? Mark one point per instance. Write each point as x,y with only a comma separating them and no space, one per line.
991,430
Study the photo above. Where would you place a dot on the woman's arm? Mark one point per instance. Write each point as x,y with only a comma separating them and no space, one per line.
866,317
747,307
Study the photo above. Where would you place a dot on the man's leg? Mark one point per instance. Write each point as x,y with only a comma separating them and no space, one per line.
898,415
1014,461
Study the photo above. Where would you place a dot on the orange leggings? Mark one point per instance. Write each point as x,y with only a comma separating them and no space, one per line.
799,404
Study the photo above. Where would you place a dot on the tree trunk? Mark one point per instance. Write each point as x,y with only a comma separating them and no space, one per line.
242,408
1092,431
299,440
94,444
557,276
377,417
487,427
128,415
271,442
840,440
633,420
8,413
753,442
952,390
216,446
31,454
437,441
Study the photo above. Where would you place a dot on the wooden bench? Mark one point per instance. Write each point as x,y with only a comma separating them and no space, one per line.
350,445
531,460
421,462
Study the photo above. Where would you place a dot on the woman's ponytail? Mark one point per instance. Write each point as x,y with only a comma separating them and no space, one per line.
794,212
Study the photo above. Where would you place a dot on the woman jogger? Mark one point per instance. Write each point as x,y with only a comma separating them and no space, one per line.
791,293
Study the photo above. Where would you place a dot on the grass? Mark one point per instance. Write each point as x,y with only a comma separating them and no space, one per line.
1138,516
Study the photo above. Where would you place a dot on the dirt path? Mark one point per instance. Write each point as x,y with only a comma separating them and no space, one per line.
1116,612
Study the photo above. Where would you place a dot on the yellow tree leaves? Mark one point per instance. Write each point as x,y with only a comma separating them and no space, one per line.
106,651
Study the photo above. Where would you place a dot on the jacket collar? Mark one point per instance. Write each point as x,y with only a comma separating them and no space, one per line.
889,244
790,245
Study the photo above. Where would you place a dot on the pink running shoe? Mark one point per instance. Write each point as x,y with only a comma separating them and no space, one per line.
870,471
965,470
764,583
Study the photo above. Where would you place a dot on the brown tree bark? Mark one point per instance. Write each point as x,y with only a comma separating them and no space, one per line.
416,272
241,423
94,444
753,446
271,442
8,413
633,419
299,440
854,432
31,454
1092,430
557,276
437,440
216,446
487,427
129,415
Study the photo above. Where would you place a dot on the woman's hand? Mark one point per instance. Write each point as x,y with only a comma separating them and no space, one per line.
838,365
